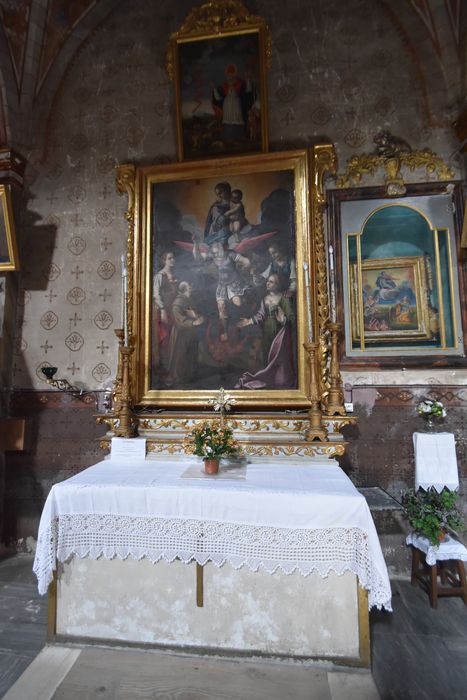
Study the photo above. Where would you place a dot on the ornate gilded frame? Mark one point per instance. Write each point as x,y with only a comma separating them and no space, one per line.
220,28
408,323
308,174
445,198
9,259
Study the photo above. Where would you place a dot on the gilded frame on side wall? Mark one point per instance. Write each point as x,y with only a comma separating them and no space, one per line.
365,224
9,259
389,299
217,62
193,285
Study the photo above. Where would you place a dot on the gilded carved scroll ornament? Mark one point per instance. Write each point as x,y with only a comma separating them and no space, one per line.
216,17
393,154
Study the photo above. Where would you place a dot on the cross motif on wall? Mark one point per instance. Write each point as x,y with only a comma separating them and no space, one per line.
105,192
46,346
77,272
74,320
52,198
76,219
73,368
287,118
16,369
105,294
102,347
66,421
105,243
50,296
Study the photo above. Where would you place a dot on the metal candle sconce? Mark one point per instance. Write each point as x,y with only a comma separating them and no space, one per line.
65,386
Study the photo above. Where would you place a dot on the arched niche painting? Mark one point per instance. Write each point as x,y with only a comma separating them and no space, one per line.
399,287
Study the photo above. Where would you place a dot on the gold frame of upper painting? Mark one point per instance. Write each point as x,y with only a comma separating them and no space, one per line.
217,62
167,209
9,258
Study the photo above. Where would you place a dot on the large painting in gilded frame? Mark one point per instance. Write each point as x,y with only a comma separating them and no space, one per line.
218,300
217,62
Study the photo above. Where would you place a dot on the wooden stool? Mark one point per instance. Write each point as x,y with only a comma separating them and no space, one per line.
445,562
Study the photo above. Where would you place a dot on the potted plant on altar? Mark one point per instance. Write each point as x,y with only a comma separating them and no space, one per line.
211,441
431,412
431,513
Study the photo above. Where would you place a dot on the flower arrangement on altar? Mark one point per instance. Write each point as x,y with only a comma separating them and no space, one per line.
213,440
210,441
432,513
430,410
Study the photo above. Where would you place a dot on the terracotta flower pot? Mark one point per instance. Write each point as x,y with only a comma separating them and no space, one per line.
211,466
442,536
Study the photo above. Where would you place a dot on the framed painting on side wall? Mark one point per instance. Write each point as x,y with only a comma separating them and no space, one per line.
219,76
401,298
9,259
390,301
216,298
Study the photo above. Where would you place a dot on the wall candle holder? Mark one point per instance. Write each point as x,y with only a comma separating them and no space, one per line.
67,388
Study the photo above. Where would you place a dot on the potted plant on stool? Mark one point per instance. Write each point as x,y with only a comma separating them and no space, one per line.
211,441
431,513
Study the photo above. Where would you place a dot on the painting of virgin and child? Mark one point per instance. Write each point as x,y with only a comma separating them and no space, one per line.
224,283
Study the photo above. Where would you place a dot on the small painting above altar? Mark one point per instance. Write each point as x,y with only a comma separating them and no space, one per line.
219,74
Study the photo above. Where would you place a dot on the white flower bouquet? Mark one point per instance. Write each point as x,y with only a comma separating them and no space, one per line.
429,409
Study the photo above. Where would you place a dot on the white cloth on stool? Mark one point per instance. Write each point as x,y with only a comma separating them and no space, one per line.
450,548
435,461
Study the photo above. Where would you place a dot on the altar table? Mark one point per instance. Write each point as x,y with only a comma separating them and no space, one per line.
289,543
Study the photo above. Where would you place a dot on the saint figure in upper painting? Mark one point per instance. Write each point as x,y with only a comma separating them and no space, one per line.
232,102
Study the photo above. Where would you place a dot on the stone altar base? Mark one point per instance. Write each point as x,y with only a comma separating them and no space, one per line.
243,612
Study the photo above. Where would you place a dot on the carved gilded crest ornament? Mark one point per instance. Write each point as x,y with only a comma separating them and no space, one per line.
217,17
392,154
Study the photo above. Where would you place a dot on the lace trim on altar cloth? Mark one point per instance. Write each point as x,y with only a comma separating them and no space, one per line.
320,550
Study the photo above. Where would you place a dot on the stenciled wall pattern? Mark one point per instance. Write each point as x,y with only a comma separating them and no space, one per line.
115,105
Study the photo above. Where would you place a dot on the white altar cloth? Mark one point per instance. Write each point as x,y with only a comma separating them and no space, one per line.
294,516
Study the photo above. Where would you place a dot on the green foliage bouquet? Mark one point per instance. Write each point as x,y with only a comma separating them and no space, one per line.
210,441
432,513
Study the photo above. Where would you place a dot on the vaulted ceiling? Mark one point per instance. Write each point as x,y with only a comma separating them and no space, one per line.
39,39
